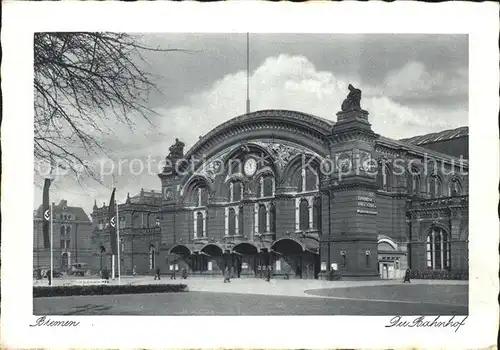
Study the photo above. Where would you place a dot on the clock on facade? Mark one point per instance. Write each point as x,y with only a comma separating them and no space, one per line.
250,167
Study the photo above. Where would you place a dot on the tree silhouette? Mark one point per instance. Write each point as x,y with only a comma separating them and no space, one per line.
82,80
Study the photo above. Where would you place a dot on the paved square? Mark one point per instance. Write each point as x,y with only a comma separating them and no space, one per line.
278,297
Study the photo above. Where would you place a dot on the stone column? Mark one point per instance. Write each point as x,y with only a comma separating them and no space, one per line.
297,214
268,216
256,218
285,211
195,224
237,221
310,201
443,250
433,249
226,221
204,223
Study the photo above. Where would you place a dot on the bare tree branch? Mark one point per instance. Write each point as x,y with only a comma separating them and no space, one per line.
82,80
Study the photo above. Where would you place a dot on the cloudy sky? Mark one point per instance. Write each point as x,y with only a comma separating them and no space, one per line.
412,85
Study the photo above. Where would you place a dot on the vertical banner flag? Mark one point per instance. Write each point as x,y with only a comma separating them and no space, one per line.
112,224
46,214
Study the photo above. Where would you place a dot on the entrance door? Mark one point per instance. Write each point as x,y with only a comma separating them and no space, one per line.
317,265
64,261
384,271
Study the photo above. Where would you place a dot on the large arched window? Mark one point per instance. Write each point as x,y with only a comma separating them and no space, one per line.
268,186
237,191
265,186
455,187
304,214
64,260
201,196
272,218
311,180
384,178
307,180
262,218
199,225
151,257
240,222
63,231
413,182
232,222
438,249
317,213
434,186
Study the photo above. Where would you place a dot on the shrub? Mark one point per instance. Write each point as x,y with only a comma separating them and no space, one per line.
106,289
440,274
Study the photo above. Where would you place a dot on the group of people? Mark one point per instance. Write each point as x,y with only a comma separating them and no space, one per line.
228,275
173,276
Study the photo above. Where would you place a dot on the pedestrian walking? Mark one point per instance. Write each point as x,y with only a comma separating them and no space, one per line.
157,275
268,274
227,276
407,276
49,277
105,273
172,276
133,271
184,274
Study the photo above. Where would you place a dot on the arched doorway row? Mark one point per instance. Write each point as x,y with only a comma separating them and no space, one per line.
297,258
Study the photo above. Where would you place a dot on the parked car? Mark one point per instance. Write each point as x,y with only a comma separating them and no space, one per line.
43,273
79,269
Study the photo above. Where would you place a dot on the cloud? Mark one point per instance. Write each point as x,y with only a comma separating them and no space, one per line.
280,82
415,80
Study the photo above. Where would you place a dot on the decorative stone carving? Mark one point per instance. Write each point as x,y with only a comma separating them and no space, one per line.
282,154
353,100
176,150
366,162
211,169
343,161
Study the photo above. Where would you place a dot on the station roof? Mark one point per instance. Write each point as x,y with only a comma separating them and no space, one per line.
438,136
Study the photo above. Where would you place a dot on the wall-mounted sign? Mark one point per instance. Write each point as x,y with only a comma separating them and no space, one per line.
367,212
323,266
176,267
209,266
171,267
333,266
278,265
244,266
366,204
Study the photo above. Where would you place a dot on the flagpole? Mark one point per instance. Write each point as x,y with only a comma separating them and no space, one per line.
51,243
111,238
118,240
248,73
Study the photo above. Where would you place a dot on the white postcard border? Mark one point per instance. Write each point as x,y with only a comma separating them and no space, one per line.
21,19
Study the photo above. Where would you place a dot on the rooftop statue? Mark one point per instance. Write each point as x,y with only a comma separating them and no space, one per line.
177,149
353,100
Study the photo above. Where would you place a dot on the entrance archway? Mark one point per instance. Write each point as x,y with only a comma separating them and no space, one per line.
245,258
297,259
64,261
